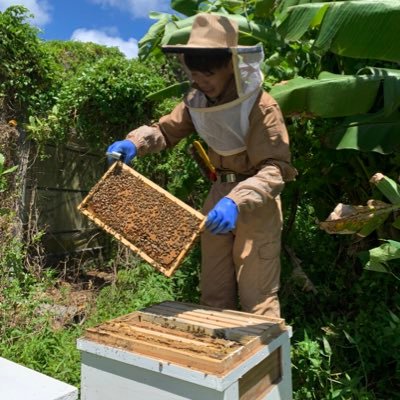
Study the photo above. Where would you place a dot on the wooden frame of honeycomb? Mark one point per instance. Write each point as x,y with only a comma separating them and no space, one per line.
156,225
211,340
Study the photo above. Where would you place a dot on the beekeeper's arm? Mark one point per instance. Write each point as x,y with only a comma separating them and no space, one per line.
167,132
268,150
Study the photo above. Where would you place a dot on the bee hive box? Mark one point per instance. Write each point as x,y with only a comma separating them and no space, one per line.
184,351
153,223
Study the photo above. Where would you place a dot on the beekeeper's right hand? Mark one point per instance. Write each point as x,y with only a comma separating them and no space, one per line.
126,148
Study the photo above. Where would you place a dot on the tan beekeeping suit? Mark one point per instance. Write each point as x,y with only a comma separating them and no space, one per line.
246,134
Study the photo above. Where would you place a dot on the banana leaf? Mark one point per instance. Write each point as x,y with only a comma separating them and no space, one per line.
343,94
285,4
250,32
264,8
377,132
358,29
177,32
149,43
176,90
186,7
329,96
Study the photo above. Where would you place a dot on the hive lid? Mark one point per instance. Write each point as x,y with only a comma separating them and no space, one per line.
197,337
143,216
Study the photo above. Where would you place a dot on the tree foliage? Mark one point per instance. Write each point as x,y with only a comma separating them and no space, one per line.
100,103
26,69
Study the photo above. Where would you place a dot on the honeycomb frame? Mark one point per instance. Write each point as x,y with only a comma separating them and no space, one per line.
160,228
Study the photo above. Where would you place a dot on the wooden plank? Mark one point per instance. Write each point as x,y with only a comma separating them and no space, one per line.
252,342
218,318
151,331
214,326
238,316
123,192
162,353
206,359
196,326
215,318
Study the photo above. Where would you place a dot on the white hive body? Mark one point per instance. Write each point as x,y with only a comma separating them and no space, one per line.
20,383
179,351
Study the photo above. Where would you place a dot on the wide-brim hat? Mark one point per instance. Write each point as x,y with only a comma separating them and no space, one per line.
210,32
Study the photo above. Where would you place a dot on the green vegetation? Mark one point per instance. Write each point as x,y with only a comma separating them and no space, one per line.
345,315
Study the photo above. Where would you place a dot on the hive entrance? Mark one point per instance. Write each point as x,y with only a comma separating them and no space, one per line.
146,218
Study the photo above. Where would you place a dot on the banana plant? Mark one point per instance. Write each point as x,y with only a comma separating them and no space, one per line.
357,29
352,97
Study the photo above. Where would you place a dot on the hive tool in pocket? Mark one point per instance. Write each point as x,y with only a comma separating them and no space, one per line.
198,153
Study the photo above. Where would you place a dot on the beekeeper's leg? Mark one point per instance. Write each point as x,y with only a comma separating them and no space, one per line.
217,281
257,258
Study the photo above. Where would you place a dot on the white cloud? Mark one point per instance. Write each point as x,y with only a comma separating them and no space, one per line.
39,8
129,47
137,8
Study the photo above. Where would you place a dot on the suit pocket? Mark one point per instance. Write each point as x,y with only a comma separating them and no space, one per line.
269,251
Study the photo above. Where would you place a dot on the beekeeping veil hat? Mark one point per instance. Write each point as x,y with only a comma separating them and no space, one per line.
209,31
215,33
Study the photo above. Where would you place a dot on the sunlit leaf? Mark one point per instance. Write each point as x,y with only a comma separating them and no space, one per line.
300,19
149,42
9,170
327,346
375,266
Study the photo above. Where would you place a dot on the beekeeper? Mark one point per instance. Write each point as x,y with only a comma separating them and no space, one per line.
249,146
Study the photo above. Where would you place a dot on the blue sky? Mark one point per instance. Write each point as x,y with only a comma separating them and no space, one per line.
119,23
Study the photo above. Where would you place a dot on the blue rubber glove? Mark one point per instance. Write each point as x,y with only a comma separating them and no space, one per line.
222,218
127,149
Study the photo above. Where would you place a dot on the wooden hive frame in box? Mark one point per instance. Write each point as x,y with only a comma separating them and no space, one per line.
143,216
209,340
